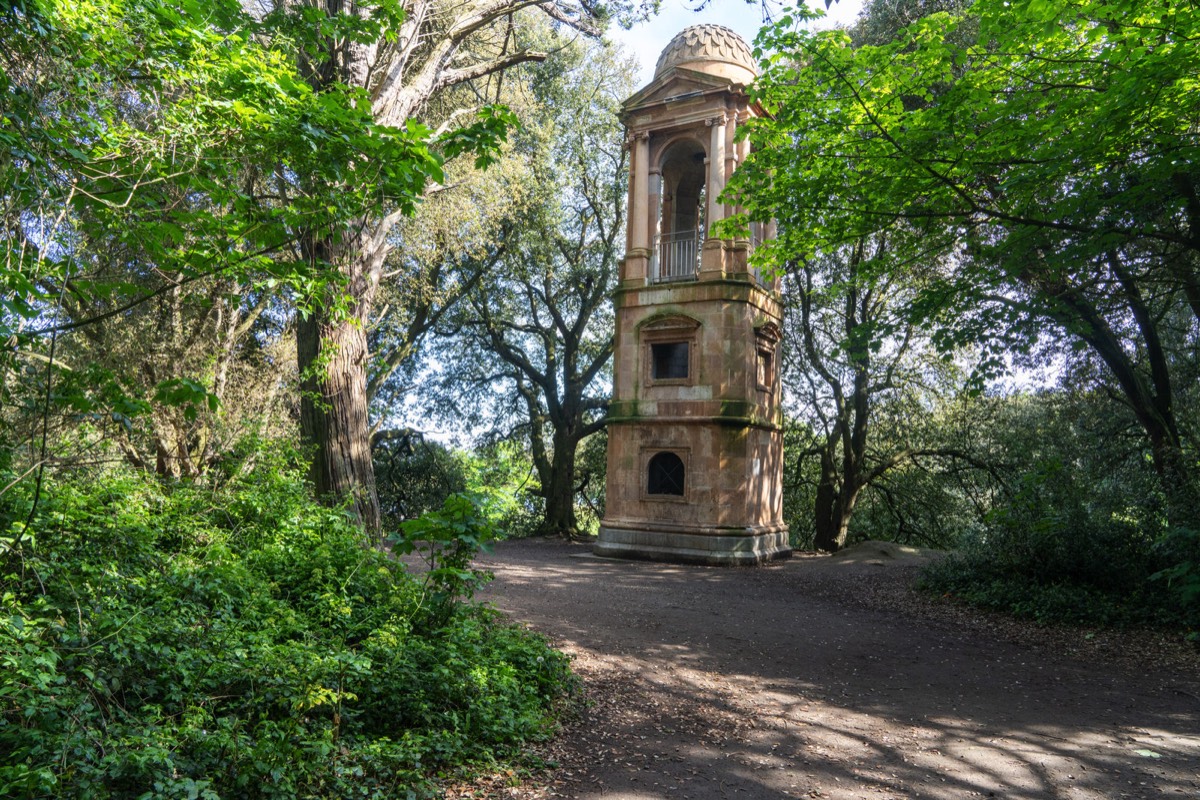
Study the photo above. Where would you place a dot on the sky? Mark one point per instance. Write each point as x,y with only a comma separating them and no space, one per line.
648,39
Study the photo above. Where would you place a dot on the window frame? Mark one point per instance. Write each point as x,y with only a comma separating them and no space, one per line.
687,370
766,352
684,456
675,330
766,343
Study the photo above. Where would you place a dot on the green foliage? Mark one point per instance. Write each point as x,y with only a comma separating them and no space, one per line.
1045,148
413,476
416,477
591,472
1057,552
532,343
242,643
504,474
152,101
1180,548
187,394
940,448
1044,152
1042,120
799,484
448,539
159,164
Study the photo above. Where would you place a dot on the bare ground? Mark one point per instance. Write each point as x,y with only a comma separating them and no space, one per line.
829,677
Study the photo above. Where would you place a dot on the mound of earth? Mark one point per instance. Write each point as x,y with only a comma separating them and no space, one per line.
881,554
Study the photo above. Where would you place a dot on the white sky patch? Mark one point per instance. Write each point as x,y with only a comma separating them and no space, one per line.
647,40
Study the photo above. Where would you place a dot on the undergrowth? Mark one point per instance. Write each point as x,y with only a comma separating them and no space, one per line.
1054,557
171,641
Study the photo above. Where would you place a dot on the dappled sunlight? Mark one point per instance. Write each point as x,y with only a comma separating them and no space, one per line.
794,743
756,689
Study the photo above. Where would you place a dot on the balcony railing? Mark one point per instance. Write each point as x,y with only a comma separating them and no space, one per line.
676,256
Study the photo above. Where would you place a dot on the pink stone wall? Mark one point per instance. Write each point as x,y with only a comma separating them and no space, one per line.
721,421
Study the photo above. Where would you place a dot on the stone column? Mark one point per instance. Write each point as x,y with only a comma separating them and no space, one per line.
655,206
629,190
712,256
667,211
733,153
637,253
639,215
743,152
716,171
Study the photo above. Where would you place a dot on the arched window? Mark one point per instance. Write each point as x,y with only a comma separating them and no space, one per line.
665,475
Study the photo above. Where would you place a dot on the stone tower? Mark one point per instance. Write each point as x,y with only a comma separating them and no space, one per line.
695,451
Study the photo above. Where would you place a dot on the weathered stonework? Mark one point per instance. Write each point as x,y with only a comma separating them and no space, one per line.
697,331
714,49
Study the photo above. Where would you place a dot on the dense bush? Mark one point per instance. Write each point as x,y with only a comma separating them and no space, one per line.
1057,552
503,474
170,641
414,475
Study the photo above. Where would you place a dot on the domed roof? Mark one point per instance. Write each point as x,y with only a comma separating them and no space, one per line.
713,49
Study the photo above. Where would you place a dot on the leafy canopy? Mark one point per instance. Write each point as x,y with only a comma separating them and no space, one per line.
1062,129
144,138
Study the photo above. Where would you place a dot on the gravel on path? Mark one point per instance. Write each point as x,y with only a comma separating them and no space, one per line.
829,677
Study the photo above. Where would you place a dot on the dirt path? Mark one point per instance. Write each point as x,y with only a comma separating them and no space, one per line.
817,678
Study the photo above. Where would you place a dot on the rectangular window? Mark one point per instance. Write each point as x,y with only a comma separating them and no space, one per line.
670,361
766,369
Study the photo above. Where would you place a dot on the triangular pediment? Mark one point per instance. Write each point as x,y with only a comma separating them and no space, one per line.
675,83
768,331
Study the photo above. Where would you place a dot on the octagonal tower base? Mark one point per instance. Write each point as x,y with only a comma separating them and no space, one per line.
716,547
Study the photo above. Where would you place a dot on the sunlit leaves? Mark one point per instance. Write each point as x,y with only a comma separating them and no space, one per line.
482,137
1029,123
1061,128
1049,148
146,146
188,394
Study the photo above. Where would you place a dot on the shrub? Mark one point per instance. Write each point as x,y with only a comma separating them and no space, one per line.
414,476
1057,553
447,539
171,641
502,476
1180,550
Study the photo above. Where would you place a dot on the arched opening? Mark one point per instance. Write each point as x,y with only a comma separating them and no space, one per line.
681,212
665,475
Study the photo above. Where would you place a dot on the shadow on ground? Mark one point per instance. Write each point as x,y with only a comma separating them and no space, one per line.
762,683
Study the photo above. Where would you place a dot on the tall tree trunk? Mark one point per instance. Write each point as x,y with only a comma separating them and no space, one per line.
331,351
331,341
833,508
1178,482
428,53
559,492
826,516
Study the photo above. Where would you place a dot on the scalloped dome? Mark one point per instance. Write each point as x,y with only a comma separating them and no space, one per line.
713,49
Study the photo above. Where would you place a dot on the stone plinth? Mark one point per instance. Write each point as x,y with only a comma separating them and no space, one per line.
716,548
